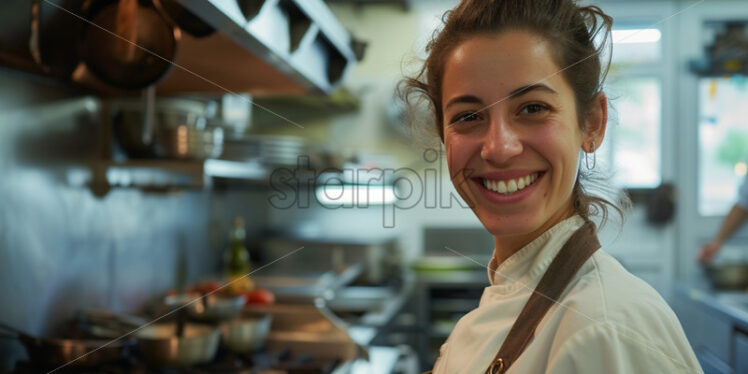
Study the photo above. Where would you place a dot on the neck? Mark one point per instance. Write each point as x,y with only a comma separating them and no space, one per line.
506,246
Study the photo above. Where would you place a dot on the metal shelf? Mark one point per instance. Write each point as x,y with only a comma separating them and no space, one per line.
282,46
165,175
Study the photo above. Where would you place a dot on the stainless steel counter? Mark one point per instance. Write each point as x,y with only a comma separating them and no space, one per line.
382,360
732,305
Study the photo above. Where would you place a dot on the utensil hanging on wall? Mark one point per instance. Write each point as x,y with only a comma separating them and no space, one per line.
126,27
51,33
34,48
130,45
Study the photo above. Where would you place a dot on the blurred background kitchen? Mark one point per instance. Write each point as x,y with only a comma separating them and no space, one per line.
266,136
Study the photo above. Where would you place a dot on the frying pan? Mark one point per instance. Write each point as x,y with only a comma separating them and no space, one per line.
53,353
140,61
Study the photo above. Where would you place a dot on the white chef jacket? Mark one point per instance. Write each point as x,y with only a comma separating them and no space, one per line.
608,320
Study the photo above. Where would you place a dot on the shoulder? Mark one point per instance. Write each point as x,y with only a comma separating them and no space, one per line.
614,348
609,293
609,309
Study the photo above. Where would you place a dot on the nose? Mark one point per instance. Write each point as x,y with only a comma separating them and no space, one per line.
501,143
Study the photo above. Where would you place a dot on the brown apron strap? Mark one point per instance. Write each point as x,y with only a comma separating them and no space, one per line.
575,252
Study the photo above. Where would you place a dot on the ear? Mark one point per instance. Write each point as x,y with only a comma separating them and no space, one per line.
595,124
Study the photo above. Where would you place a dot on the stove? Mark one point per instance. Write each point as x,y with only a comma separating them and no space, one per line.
260,362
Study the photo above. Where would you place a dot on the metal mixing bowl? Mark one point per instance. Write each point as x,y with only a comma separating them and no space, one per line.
160,345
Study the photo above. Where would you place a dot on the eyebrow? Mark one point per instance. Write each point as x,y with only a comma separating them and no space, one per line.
533,87
470,99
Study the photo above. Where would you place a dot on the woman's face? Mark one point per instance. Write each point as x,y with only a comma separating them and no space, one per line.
511,133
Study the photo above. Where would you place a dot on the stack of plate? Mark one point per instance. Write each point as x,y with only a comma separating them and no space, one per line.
273,151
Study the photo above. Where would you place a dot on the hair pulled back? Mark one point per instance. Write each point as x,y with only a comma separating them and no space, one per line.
577,36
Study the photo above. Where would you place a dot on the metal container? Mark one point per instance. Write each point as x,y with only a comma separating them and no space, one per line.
159,344
53,353
246,333
140,52
728,276
208,307
179,129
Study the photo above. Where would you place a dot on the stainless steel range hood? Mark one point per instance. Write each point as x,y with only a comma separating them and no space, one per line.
271,46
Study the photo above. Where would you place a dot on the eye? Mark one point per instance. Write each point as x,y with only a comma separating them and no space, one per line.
465,117
534,109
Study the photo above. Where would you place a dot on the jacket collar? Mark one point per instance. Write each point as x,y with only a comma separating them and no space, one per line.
529,263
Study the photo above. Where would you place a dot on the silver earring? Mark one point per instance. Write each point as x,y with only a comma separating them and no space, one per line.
587,158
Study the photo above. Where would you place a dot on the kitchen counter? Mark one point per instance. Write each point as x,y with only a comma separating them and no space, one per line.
716,324
730,305
382,360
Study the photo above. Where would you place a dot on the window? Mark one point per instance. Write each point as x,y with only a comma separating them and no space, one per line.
634,87
635,144
723,142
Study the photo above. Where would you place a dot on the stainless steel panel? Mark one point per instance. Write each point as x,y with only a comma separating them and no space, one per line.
62,248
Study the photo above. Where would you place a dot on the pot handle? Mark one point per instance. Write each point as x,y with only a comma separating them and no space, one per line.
34,49
149,100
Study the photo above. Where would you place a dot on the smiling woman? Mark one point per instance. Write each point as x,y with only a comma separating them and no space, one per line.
515,89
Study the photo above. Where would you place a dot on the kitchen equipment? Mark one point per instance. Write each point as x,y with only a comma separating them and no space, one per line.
377,255
178,128
53,353
210,307
51,35
131,45
34,39
250,8
271,150
305,329
184,19
247,332
159,344
106,324
728,275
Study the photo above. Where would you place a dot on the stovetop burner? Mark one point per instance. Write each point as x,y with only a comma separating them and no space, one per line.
261,362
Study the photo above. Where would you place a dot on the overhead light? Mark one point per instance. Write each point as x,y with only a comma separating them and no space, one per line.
636,36
355,195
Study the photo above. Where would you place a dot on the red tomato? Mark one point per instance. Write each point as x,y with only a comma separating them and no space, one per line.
260,296
206,287
211,286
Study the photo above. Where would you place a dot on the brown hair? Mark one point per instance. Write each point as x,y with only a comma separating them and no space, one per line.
571,30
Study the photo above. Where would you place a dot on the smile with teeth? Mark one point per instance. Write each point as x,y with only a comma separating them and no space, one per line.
510,186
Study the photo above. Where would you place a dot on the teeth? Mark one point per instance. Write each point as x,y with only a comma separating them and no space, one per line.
502,187
510,186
